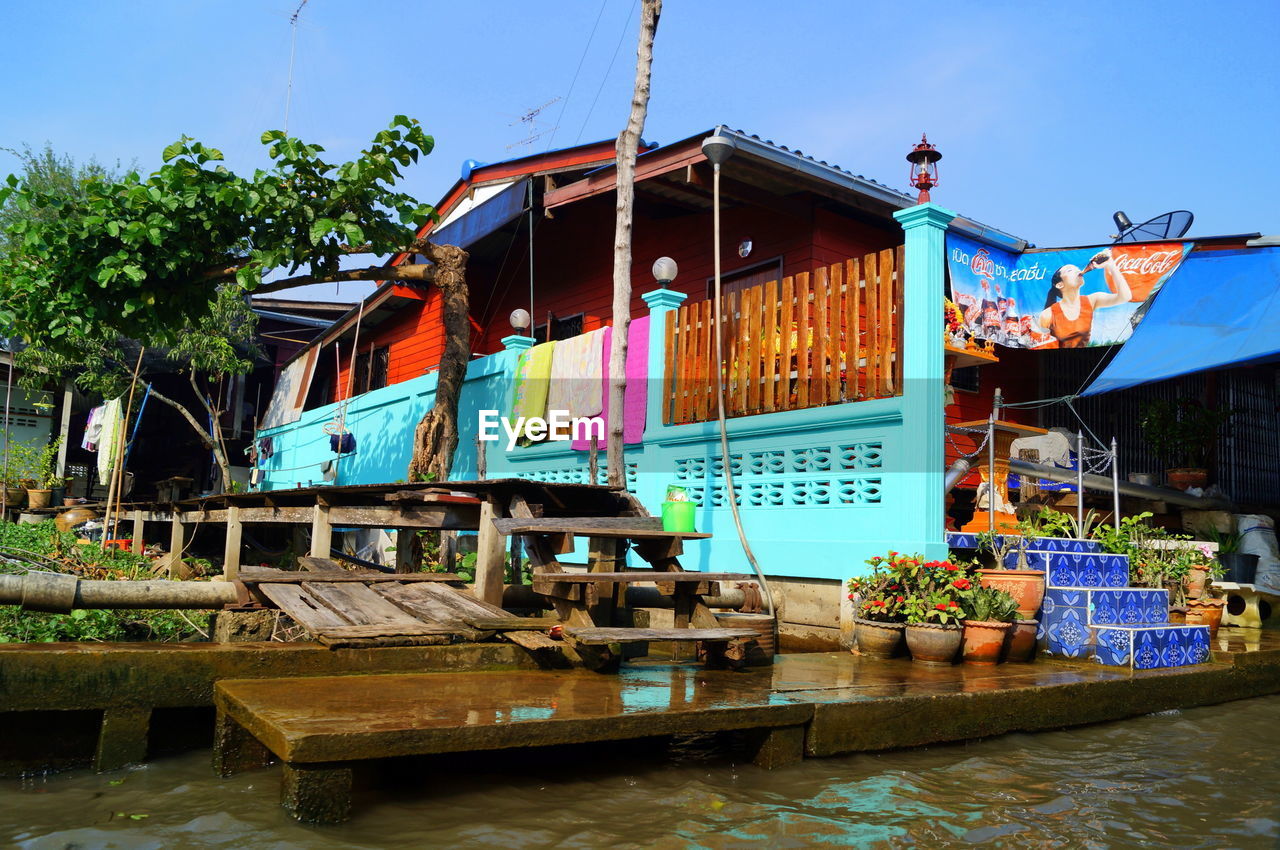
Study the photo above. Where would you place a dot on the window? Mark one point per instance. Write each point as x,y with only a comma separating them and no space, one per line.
371,369
965,379
740,279
560,328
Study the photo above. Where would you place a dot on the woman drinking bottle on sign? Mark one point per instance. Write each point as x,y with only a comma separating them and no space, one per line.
1068,315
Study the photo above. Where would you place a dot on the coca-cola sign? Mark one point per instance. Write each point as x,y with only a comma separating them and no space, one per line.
1056,298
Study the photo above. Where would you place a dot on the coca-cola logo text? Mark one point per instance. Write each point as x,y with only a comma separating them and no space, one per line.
1156,263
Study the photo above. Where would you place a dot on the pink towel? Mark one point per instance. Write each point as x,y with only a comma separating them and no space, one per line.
636,398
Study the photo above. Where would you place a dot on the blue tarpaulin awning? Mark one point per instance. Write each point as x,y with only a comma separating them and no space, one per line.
485,217
1219,309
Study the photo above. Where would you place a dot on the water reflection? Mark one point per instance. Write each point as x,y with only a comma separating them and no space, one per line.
1199,778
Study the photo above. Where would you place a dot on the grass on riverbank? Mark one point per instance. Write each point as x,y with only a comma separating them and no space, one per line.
41,546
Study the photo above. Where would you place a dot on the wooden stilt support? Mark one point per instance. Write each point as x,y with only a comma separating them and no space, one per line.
231,554
778,747
321,530
235,750
490,556
317,793
137,533
404,550
177,541
122,739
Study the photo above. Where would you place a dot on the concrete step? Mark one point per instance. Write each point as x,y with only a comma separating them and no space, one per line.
1130,606
966,540
1076,569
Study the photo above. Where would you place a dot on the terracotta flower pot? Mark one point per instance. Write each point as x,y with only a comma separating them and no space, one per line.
1186,476
879,640
934,644
1025,586
14,496
1205,612
39,498
983,640
1195,582
1020,641
1178,616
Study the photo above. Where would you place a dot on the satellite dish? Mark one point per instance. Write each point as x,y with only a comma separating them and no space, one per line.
1171,225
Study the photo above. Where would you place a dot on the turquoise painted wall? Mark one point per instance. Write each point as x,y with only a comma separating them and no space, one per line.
819,490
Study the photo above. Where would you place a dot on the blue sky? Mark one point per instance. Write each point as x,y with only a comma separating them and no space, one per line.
1049,115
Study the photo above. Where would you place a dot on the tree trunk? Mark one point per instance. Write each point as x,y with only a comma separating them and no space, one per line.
436,437
628,142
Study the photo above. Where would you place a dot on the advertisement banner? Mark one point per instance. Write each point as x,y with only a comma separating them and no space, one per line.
1057,299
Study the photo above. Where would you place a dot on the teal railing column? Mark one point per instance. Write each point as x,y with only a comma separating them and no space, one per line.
923,399
660,302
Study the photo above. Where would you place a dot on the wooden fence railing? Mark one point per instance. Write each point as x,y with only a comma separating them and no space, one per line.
826,338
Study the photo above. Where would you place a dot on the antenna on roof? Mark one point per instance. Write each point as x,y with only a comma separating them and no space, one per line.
1170,225
293,45
529,121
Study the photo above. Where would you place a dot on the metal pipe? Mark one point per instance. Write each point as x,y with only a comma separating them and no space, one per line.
955,472
991,472
1079,479
1128,488
1115,484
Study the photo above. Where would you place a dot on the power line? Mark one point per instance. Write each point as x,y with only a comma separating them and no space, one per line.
625,29
578,71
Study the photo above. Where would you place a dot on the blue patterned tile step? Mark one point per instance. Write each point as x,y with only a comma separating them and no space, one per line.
1073,569
1109,606
1064,631
965,540
1151,647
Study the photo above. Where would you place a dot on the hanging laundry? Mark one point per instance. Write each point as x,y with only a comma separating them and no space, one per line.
636,396
533,373
575,375
266,447
109,437
342,444
92,430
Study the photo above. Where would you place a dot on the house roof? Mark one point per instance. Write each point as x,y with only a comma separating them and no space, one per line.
594,163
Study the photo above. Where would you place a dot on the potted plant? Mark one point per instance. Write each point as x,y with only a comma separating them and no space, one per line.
988,615
933,612
1023,584
878,606
42,463
13,494
1183,433
1237,566
1020,640
1206,611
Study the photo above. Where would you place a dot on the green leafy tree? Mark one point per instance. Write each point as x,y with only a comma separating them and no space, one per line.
150,258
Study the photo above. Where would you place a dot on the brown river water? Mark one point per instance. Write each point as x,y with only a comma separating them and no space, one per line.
1204,777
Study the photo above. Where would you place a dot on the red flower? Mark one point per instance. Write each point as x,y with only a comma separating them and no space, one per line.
901,599
941,606
954,604
850,597
961,584
950,566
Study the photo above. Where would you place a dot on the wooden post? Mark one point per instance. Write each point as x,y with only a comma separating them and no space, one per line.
602,558
321,530
448,550
231,554
137,532
482,459
177,540
404,550
490,555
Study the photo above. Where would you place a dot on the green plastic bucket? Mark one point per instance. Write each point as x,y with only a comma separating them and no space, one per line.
678,516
